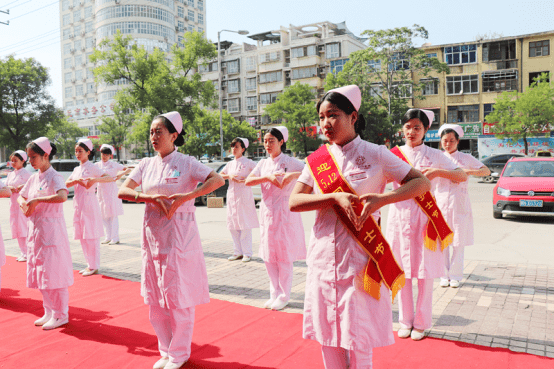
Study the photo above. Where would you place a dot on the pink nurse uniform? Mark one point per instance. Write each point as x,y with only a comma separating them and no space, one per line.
18,221
110,204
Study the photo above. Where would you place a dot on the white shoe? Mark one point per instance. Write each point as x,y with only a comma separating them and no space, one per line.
105,242
234,257
246,259
160,364
404,332
43,320
444,282
55,323
171,365
417,335
279,304
454,283
82,271
268,303
86,273
114,243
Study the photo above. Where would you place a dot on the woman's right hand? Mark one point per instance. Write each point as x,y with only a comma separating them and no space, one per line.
276,179
161,201
345,200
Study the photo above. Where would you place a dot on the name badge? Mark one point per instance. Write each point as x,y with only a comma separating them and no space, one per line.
358,176
172,180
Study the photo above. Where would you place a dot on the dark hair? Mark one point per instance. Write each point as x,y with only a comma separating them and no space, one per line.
36,148
342,102
91,153
106,151
450,130
418,114
241,142
180,141
279,136
20,158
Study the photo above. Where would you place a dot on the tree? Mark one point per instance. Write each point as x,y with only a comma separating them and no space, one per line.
64,134
296,107
390,72
525,114
116,128
26,107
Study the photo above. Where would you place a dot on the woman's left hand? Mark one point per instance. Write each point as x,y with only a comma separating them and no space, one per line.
178,200
88,182
431,173
28,207
372,203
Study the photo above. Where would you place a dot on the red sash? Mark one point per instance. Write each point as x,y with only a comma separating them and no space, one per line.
382,266
436,225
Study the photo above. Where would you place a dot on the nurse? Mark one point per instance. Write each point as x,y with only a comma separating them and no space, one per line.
174,278
418,251
281,234
339,313
4,192
110,205
456,205
87,219
241,208
49,265
15,181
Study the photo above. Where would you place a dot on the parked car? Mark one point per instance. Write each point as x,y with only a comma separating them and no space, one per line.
543,153
525,188
496,164
5,169
65,168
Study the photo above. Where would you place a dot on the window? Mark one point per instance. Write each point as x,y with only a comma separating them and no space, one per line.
534,75
180,12
251,103
180,44
190,3
436,117
67,77
65,5
376,90
250,63
270,57
268,98
87,57
399,62
251,84
502,50
131,10
539,48
78,60
463,114
191,16
432,55
374,65
77,29
402,90
65,33
66,49
487,109
88,42
88,27
233,106
431,87
90,87
78,45
233,86
67,63
200,29
200,18
462,85
200,5
190,28
233,66
79,74
463,54
337,65
90,74
146,28
66,19
332,51
304,72
68,92
90,100
181,26
271,77
502,80
69,104
88,12
299,52
77,15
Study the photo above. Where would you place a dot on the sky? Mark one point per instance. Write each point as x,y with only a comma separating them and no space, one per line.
34,29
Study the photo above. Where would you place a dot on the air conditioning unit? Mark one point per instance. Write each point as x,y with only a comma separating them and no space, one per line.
84,79
71,7
72,81
187,19
83,48
71,35
72,51
83,33
321,48
84,64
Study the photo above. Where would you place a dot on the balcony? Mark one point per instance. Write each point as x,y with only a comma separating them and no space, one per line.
305,61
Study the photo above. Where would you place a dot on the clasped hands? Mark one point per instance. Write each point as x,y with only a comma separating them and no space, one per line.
280,179
237,179
28,207
86,182
371,203
169,204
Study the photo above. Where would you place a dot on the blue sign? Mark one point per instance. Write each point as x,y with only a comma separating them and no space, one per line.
432,136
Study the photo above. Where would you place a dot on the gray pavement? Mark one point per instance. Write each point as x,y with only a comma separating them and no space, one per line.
506,298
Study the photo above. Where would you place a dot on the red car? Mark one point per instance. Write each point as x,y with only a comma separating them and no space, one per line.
525,188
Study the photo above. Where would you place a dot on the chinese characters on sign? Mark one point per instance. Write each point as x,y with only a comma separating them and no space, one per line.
89,110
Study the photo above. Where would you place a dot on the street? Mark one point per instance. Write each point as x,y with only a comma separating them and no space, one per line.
505,300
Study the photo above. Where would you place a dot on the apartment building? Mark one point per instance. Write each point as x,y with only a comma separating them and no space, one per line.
254,74
84,23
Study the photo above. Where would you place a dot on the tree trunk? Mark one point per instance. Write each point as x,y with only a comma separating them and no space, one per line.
526,144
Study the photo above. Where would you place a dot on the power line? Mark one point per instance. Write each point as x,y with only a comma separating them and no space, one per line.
49,33
13,2
19,4
39,48
24,49
32,11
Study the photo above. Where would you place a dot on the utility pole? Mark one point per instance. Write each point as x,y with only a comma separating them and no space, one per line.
8,13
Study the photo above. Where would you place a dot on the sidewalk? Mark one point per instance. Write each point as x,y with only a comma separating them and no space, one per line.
497,305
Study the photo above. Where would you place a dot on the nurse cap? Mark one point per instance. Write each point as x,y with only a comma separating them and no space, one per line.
107,146
459,130
86,142
245,141
175,119
430,115
23,154
44,144
352,93
284,131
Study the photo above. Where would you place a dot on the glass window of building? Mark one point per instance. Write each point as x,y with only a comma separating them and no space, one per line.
233,86
200,18
463,54
190,28
539,48
65,5
487,109
431,87
68,92
77,15
80,102
90,74
270,57
181,26
233,105
88,12
69,104
332,50
79,74
190,3
66,19
200,29
190,16
233,66
180,12
462,85
88,42
78,45
251,84
65,33
402,90
90,100
87,57
500,80
78,60
250,63
66,49
88,27
251,103
79,90
67,77
77,30
67,63
337,65
376,90
271,77
308,72
268,98
463,114
201,5
90,87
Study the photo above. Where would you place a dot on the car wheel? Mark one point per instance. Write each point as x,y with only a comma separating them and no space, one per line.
204,200
488,179
497,214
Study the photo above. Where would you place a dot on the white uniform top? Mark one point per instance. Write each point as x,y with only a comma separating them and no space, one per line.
2,250
110,204
87,219
241,208
173,268
48,257
456,206
281,232
337,311
18,221
407,223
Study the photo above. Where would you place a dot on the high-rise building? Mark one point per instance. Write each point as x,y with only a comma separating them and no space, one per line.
84,23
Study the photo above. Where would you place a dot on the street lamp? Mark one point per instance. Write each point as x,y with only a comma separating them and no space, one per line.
241,32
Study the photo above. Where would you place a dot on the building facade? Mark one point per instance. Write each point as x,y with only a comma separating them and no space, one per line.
85,23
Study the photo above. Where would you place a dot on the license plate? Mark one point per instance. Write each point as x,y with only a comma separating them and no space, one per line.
530,203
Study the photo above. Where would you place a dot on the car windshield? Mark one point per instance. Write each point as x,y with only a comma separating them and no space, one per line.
529,169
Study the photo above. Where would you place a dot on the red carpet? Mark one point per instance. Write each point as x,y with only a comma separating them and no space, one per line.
109,328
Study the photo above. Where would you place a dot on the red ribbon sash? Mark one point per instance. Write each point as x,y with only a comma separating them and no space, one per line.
382,266
436,225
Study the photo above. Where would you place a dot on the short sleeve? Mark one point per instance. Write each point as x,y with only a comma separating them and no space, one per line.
2,185
97,171
394,168
118,166
136,174
58,183
296,165
25,190
471,163
257,171
306,177
199,171
441,161
224,170
73,176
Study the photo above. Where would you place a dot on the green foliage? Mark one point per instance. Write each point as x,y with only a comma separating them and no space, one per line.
385,73
64,135
115,129
525,114
26,108
296,107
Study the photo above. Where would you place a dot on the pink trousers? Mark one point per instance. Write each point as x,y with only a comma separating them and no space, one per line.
242,240
454,265
422,317
339,358
91,250
55,302
280,280
22,241
174,330
111,228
